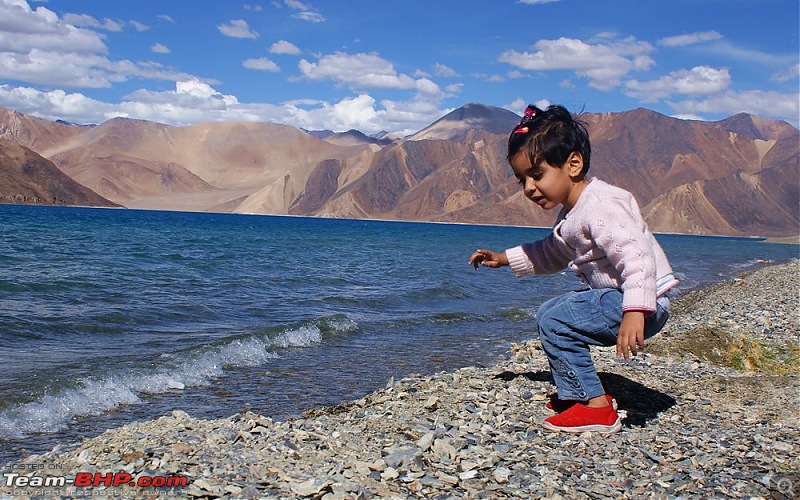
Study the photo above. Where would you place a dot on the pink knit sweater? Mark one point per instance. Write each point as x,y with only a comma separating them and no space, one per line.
604,240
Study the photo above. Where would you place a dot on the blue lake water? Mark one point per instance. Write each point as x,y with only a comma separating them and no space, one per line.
110,316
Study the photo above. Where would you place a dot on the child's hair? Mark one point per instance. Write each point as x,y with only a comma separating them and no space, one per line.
550,135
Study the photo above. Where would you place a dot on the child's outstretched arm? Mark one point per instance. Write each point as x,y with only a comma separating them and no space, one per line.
488,258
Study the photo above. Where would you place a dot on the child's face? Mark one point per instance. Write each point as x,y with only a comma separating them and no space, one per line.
546,185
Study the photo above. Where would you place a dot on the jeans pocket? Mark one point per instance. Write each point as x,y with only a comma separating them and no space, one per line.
597,315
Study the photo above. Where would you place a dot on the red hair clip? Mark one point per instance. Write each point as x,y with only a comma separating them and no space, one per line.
522,130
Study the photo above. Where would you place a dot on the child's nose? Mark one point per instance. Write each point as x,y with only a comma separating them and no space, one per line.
530,186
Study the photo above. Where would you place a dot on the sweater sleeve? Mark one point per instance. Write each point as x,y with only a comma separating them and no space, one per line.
546,256
620,231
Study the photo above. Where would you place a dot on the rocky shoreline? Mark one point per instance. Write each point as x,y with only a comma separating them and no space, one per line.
692,426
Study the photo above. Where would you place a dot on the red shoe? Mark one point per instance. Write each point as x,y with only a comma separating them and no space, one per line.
580,418
561,405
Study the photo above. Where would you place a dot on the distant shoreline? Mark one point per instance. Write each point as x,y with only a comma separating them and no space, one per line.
784,240
794,240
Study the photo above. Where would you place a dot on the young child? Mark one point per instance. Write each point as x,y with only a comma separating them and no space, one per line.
601,236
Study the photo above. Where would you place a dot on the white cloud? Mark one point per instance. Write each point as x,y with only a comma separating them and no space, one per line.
429,88
537,2
295,4
724,48
38,47
353,113
27,30
83,21
194,101
237,28
159,48
689,39
254,8
306,13
66,70
604,63
442,70
784,76
166,18
700,80
756,102
519,104
284,47
407,117
139,26
196,88
357,71
55,104
312,17
261,64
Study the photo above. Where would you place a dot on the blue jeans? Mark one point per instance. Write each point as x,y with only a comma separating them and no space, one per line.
570,323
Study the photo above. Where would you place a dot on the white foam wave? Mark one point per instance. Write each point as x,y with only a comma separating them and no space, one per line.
93,396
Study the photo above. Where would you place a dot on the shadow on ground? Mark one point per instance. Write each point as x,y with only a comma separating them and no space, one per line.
640,402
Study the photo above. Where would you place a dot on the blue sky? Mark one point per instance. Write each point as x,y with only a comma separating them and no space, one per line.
394,66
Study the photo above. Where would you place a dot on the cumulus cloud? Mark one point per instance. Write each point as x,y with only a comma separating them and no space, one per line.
306,13
357,71
700,80
55,104
40,48
604,63
261,64
295,4
442,70
761,103
784,76
284,47
237,28
689,39
159,48
429,89
139,26
42,30
519,104
85,21
193,101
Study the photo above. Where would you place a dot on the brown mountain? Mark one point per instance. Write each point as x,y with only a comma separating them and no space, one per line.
27,178
735,176
456,124
246,167
35,133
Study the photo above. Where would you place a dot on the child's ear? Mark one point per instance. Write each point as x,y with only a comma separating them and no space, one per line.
575,164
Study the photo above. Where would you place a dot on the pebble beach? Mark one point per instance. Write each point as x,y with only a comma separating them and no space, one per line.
710,410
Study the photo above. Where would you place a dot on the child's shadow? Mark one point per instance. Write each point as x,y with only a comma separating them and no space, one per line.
640,402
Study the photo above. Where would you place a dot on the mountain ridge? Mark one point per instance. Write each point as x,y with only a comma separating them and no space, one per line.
733,176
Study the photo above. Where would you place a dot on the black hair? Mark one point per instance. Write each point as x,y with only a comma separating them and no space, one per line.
550,135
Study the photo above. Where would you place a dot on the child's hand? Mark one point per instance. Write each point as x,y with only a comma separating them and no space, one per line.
631,334
487,258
